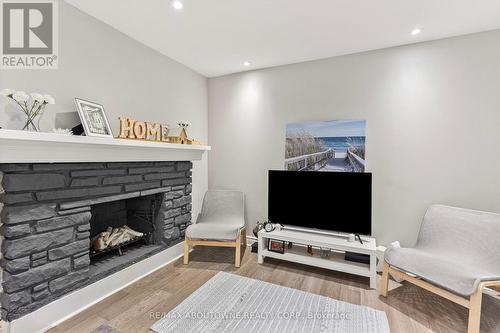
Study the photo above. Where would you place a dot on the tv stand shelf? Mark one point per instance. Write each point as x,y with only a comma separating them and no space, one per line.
339,245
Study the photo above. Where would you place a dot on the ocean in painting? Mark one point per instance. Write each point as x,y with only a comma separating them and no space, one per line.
341,143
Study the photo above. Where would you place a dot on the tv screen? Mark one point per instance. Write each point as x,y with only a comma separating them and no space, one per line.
333,201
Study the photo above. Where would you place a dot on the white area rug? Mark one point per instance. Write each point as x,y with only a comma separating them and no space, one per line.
231,303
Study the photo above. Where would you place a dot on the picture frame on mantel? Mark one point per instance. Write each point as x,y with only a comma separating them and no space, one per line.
93,117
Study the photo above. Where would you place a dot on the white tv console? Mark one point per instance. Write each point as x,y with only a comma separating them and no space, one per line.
338,245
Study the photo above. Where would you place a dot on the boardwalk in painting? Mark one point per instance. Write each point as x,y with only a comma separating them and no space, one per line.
330,160
338,163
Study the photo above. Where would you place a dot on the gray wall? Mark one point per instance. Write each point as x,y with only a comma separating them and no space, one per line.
100,64
433,125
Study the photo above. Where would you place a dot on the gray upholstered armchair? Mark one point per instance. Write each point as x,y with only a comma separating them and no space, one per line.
221,223
457,254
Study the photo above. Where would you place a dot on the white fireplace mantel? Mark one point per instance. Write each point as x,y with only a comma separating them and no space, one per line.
36,147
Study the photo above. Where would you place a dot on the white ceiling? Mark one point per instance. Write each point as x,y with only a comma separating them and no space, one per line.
215,37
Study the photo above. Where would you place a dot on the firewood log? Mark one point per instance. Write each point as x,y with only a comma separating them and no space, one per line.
106,234
133,232
99,243
120,237
114,234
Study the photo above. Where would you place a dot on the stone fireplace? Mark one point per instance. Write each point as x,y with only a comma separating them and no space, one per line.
53,213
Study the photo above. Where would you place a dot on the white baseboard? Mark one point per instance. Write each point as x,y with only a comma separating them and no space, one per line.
69,305
492,293
251,240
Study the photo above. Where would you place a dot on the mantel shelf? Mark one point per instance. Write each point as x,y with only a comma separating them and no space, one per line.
36,147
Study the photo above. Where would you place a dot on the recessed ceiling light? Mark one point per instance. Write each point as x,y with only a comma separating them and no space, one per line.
246,64
416,31
177,4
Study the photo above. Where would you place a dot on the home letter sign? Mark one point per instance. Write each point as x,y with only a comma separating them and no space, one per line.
140,130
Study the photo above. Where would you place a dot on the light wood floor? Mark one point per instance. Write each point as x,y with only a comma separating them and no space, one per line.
409,309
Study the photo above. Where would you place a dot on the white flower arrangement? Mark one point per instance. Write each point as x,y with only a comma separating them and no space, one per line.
7,92
37,97
49,99
20,96
32,105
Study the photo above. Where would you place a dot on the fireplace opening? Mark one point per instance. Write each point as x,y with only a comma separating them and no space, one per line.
123,232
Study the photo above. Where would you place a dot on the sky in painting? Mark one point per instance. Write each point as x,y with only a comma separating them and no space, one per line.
332,128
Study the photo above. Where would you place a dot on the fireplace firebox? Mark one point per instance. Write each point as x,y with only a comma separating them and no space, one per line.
116,224
123,232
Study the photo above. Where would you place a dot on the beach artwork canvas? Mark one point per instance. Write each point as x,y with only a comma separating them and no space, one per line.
336,145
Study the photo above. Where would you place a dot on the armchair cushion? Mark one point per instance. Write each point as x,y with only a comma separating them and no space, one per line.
456,249
212,231
222,216
455,276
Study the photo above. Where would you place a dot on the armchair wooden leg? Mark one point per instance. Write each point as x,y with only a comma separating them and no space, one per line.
475,310
244,237
237,253
384,283
186,251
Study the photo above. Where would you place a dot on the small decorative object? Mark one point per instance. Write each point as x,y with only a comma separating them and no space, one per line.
141,130
276,246
93,118
32,105
64,131
177,135
310,250
257,227
194,142
268,226
290,245
325,252
351,238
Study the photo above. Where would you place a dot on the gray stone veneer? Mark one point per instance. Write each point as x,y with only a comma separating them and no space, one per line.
45,214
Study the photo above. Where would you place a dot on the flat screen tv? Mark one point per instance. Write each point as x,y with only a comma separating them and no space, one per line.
331,201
